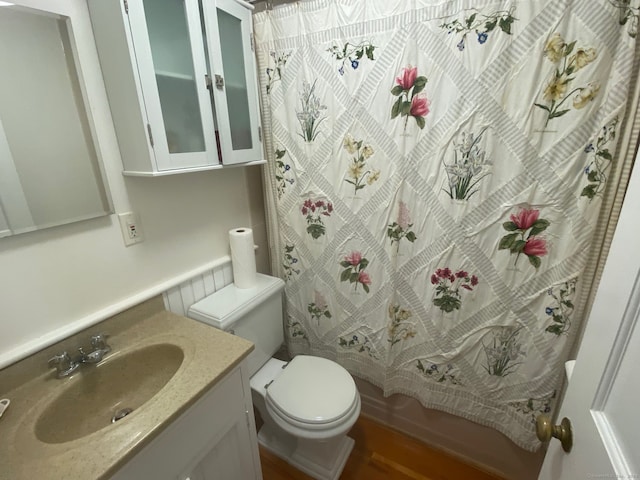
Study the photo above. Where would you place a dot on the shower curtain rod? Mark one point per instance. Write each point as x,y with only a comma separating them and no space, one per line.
269,4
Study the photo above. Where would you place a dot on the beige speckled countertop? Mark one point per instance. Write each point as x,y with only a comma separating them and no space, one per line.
209,354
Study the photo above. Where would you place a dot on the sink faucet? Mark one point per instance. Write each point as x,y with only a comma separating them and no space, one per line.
65,365
99,346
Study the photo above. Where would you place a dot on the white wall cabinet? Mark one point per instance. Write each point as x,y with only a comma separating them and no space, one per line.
181,81
214,439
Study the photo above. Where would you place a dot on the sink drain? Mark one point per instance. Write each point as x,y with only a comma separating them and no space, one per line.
120,414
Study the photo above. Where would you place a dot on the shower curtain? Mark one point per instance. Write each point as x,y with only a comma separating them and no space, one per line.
437,170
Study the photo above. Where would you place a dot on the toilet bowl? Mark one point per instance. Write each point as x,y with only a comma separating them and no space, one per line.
310,397
308,404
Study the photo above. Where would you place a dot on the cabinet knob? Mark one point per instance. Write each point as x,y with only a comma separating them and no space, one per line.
219,81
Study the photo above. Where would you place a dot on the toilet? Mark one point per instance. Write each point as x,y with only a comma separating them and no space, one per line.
308,404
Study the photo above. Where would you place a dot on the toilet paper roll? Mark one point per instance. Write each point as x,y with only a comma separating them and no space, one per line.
243,257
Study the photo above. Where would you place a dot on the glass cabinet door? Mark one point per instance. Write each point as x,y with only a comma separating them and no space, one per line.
169,50
228,31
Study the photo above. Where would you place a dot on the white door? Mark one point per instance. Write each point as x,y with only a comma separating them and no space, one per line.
602,398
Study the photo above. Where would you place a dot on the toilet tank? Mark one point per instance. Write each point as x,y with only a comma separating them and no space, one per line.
251,313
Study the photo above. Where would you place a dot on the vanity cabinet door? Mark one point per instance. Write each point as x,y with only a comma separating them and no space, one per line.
215,439
229,35
227,459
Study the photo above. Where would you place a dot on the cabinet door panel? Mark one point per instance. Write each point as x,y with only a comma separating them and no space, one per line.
212,440
228,458
236,88
169,52
235,97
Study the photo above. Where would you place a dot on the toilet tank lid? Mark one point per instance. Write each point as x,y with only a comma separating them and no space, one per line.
224,307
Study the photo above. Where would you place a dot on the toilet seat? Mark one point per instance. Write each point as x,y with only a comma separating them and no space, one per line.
313,393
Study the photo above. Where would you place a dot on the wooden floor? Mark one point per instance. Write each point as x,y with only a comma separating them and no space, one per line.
381,453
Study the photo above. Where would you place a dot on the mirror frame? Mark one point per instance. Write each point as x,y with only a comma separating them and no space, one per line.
75,15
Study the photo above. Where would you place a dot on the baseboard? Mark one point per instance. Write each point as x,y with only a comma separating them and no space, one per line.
477,445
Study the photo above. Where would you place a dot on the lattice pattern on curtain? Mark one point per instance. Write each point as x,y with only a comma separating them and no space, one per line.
438,170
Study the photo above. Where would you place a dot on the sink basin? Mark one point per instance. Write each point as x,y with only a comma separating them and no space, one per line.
98,393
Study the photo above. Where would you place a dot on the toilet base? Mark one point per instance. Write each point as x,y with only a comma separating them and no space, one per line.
322,460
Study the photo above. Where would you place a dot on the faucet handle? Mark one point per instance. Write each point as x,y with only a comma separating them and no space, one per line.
63,359
99,342
63,364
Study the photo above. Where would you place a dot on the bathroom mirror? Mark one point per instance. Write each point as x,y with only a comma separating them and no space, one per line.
50,171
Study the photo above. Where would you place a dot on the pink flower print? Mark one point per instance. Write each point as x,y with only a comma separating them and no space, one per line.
363,278
314,211
535,246
525,218
404,220
318,308
524,228
354,258
420,106
448,288
407,77
401,228
408,102
320,301
306,206
354,265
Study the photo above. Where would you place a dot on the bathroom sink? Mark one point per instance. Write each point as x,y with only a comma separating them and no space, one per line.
99,395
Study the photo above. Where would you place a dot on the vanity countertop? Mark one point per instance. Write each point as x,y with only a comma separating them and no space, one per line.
209,354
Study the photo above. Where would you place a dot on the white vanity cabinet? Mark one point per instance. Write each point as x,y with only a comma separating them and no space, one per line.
181,82
214,439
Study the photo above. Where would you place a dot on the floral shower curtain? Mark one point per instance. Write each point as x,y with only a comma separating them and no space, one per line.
438,169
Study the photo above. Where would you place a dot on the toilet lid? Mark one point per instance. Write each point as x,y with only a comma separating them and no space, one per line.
313,390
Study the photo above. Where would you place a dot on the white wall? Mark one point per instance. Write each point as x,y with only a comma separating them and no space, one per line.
61,277
58,276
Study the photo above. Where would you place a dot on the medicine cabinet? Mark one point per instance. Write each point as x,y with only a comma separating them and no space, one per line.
181,81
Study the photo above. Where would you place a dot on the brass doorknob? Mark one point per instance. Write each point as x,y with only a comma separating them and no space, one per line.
545,430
